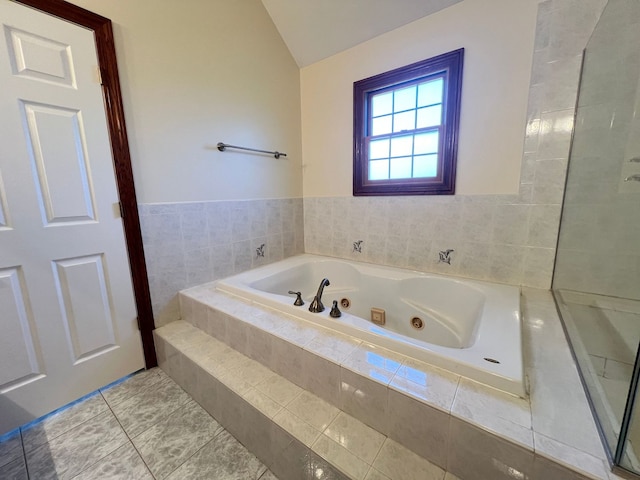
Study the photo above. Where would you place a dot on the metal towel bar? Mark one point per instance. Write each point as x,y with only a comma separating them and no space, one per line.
223,146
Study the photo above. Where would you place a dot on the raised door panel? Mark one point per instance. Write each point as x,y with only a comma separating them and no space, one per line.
40,58
5,221
86,306
19,352
60,165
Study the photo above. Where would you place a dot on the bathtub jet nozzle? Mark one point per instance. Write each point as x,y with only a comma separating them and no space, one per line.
317,306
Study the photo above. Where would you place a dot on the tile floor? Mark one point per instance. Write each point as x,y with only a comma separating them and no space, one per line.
143,428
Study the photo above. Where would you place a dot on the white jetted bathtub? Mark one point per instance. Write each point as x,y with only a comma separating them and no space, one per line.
469,327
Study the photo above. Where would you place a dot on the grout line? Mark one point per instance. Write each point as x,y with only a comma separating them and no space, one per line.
129,438
191,399
24,454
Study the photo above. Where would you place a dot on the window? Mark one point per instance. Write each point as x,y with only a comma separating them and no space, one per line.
406,128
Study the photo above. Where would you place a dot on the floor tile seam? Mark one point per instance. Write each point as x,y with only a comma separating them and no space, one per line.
111,407
19,432
131,442
164,418
167,475
49,441
116,447
187,399
386,439
166,414
24,455
62,409
101,458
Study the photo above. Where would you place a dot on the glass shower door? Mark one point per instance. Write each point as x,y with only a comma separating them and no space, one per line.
597,275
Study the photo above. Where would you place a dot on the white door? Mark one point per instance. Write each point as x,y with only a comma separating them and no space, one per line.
67,313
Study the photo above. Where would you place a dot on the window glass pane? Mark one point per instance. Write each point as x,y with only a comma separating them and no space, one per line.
400,167
426,143
430,92
425,166
379,170
381,104
404,99
381,125
430,116
379,149
404,121
402,146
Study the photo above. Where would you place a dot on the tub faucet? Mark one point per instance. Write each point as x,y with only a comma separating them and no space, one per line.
316,306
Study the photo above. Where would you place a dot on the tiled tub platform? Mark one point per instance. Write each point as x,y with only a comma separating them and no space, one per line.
299,395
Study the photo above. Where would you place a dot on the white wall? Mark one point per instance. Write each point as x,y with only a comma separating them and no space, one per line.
200,72
498,37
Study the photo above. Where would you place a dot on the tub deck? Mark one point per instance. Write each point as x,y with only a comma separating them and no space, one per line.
493,351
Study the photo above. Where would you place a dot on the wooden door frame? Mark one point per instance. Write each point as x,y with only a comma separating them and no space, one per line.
103,33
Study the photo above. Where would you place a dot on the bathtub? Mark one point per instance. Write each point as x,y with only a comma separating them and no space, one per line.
470,328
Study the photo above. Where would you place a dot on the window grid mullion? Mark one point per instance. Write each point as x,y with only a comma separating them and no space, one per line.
417,131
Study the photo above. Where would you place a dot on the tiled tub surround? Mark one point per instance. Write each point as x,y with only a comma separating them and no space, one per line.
188,244
465,322
501,238
468,429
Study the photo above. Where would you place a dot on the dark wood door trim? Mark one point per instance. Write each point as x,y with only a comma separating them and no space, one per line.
105,46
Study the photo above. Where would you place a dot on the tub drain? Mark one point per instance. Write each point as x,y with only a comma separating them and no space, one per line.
492,360
345,303
417,323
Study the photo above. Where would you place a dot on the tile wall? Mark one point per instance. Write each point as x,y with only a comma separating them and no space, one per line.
503,238
598,250
187,244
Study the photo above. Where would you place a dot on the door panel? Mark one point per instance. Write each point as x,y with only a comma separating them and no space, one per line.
85,303
67,309
40,58
58,154
20,357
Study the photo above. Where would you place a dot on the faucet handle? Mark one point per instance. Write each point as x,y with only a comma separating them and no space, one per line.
299,300
335,311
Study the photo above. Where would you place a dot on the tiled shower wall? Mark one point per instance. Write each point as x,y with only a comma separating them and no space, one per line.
187,244
503,238
599,251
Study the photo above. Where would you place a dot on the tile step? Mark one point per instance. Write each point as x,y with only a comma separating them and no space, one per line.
293,432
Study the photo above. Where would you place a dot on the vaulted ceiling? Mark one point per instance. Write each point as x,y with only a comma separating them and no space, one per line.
317,29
